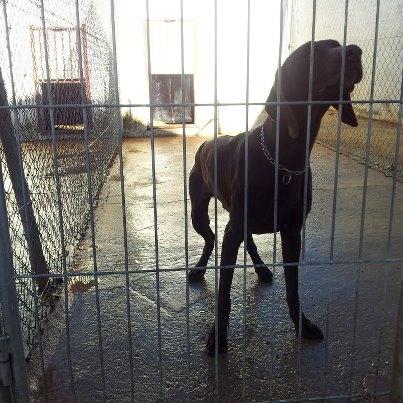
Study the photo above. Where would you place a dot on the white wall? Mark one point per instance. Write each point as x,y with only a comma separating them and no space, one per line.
199,53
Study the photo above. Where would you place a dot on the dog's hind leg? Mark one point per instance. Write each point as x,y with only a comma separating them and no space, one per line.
200,198
263,272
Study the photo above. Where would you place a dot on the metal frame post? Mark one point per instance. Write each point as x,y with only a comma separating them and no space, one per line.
9,306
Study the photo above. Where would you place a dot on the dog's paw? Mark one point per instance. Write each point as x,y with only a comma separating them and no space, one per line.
195,275
222,343
264,274
309,330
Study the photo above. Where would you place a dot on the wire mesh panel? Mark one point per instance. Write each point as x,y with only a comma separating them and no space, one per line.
27,37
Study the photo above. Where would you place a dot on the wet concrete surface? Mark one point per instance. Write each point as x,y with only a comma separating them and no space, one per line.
346,300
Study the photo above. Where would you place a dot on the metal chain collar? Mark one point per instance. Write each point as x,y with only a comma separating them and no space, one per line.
287,176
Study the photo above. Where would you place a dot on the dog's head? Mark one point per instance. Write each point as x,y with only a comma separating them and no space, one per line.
327,66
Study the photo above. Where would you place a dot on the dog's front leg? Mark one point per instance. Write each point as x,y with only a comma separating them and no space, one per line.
291,247
230,245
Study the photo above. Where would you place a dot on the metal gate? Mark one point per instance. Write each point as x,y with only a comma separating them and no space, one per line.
139,339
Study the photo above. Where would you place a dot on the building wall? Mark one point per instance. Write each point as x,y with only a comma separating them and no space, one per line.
165,46
232,48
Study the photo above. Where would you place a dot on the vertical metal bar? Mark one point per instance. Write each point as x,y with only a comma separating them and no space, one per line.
277,145
338,133
215,203
85,64
54,33
24,196
368,144
276,170
185,198
308,130
306,168
335,189
59,200
245,211
157,271
63,53
119,124
90,195
389,238
364,194
395,170
72,72
9,304
34,64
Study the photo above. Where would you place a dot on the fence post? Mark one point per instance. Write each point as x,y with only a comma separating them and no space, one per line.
21,191
9,306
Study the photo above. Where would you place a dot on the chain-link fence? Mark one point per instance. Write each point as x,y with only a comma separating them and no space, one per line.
361,17
33,40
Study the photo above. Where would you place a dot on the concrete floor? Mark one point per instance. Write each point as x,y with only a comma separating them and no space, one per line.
355,313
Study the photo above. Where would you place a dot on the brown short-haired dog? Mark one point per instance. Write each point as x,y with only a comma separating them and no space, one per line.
327,67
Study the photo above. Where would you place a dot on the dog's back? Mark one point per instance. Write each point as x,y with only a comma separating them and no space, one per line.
227,149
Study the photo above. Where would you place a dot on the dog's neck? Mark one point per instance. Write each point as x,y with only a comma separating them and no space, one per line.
292,151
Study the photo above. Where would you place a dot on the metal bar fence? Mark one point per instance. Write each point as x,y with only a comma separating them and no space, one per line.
90,194
216,368
122,191
92,177
336,180
245,214
185,199
154,185
364,194
9,300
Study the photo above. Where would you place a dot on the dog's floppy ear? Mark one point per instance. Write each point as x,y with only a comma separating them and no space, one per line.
347,113
285,111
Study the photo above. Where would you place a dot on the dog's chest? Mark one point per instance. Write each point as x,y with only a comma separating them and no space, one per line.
261,207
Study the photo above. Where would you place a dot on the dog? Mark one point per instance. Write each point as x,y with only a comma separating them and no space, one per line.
294,78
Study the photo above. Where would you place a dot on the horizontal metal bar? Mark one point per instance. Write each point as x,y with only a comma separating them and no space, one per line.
236,266
187,104
333,397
